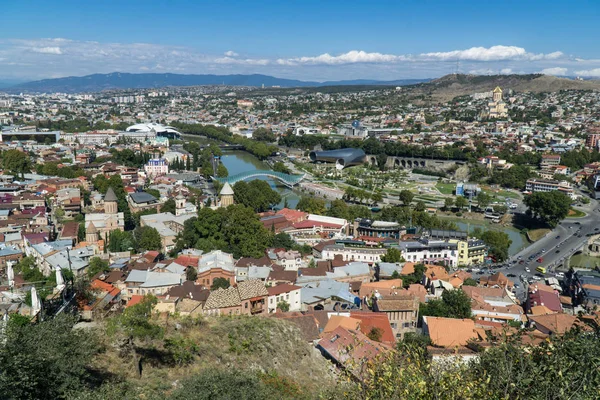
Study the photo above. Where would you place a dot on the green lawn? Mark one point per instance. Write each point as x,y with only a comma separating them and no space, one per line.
574,213
445,188
502,193
537,234
583,261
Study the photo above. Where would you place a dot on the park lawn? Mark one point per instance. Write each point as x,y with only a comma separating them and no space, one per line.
537,234
574,213
584,261
502,193
445,188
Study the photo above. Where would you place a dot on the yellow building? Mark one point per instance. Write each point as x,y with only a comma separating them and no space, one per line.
497,107
470,251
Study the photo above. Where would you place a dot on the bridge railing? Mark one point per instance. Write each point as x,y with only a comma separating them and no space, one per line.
287,179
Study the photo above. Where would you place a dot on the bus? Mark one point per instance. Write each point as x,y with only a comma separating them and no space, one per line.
541,270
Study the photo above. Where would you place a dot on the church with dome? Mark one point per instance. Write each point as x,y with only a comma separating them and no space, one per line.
99,225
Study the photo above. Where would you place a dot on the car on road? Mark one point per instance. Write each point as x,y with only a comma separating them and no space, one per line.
527,269
557,251
596,229
511,275
558,237
522,262
540,260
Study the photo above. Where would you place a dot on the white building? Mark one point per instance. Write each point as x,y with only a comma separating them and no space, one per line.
291,294
548,185
156,167
430,251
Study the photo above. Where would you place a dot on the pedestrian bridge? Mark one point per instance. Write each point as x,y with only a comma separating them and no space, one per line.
286,179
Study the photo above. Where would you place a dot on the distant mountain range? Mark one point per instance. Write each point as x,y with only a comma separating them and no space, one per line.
119,80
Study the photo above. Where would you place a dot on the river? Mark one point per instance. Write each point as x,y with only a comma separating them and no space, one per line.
519,242
241,161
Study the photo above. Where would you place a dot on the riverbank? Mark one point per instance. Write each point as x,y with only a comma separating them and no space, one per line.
518,238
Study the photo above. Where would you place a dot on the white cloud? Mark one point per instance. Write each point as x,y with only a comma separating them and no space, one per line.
38,58
560,71
47,50
589,72
351,57
494,53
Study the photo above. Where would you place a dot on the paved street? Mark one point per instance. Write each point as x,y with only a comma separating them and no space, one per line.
567,238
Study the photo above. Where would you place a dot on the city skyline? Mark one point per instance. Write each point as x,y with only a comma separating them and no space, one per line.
308,41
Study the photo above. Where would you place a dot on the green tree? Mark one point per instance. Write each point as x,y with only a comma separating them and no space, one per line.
498,242
312,205
392,255
448,203
283,240
375,334
280,167
263,135
96,266
453,304
406,197
256,194
46,360
17,162
420,206
168,206
191,274
550,207
470,282
283,306
147,238
483,200
220,283
461,202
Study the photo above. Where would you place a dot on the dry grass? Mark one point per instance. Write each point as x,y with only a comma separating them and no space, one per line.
254,343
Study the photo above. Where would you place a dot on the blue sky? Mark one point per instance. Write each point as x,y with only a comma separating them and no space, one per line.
310,40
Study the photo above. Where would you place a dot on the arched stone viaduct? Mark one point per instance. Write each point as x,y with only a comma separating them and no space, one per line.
393,162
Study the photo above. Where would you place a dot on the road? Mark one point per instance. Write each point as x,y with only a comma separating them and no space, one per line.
563,241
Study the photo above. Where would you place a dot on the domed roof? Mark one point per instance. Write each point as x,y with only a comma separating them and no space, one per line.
226,190
179,196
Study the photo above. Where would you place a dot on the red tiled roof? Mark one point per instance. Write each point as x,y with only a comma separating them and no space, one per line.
135,299
370,320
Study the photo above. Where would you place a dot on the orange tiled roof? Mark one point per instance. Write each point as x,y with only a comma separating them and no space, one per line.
449,332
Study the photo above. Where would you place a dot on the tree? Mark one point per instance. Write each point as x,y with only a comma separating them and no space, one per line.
550,207
96,266
375,334
256,194
46,360
453,304
461,202
263,135
147,238
16,162
81,232
415,277
392,255
191,274
483,200
168,206
283,240
312,205
280,167
420,206
470,282
219,283
406,197
448,203
283,306
121,241
498,242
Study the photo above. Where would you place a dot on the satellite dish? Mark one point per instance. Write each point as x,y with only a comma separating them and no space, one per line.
356,123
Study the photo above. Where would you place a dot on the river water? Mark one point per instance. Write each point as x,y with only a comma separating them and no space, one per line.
241,161
518,241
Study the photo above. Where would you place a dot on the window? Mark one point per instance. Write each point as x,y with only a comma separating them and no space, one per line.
246,305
